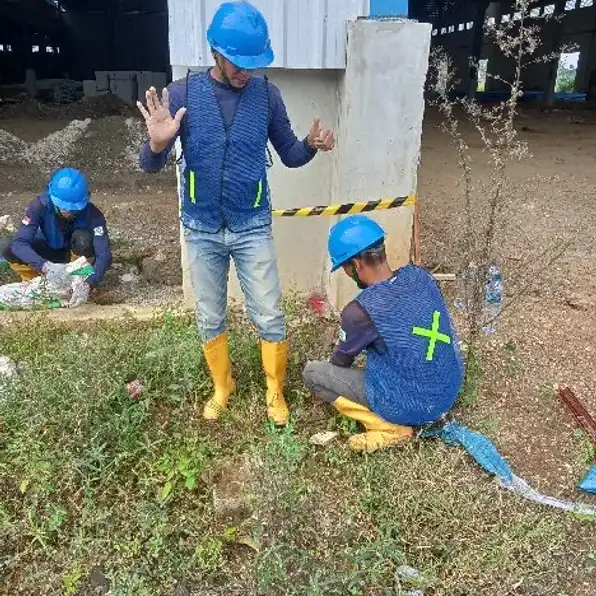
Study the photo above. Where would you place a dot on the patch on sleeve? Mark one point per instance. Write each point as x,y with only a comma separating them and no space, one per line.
26,220
342,335
98,231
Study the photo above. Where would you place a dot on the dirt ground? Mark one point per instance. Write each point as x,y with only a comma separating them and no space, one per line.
548,337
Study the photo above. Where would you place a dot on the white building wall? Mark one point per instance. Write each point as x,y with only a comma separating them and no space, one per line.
375,105
302,242
305,34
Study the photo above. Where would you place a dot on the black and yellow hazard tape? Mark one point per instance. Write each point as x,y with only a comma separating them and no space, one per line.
347,208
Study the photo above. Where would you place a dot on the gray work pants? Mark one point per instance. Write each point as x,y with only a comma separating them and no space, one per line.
328,382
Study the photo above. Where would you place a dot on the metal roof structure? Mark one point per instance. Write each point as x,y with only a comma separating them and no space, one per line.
45,16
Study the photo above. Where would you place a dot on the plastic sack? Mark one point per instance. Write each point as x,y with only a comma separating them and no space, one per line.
479,447
8,374
41,294
488,457
588,483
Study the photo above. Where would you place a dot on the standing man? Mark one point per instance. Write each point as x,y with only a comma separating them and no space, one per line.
414,369
224,119
60,225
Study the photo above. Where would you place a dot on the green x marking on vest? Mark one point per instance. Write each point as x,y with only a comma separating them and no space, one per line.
433,334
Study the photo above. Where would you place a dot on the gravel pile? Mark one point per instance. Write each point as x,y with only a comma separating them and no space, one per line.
11,147
136,135
87,107
54,150
46,154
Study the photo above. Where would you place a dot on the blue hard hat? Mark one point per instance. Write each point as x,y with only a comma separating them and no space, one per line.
239,33
68,190
350,237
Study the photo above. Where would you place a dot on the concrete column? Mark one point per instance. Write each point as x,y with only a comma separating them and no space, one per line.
477,41
380,126
21,47
31,82
555,44
588,80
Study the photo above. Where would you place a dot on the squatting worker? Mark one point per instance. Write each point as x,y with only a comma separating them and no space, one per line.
224,119
413,370
60,225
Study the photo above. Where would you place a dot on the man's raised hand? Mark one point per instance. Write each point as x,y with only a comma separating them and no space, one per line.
162,128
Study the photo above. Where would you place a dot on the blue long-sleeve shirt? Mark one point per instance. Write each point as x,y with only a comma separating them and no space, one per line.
357,333
293,153
34,223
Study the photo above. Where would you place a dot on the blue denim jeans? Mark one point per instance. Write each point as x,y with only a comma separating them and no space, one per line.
256,264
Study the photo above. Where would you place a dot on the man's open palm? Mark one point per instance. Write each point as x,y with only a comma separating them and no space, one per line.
162,128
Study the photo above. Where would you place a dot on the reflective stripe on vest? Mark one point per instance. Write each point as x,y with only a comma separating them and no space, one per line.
259,194
191,190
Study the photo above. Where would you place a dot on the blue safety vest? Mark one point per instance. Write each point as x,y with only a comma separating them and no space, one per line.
225,169
418,378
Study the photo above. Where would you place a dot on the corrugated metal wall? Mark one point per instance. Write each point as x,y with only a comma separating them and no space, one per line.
308,34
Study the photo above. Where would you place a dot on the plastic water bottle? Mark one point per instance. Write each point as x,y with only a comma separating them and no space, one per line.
493,297
470,279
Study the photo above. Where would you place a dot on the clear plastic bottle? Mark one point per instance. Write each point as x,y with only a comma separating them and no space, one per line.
493,297
470,279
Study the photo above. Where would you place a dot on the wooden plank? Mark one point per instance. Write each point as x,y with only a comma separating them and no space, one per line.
416,243
445,276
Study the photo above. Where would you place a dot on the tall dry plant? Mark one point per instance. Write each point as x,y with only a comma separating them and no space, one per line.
487,206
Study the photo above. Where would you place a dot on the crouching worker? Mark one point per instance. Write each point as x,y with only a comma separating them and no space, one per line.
414,369
59,226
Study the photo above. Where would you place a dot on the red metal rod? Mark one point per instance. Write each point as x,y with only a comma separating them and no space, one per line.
581,415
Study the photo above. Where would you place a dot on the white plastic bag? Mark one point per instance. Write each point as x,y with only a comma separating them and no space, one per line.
39,293
8,374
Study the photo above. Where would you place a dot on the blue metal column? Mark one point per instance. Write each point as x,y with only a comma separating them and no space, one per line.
388,8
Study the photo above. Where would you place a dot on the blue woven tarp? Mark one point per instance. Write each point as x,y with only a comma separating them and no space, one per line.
588,484
488,457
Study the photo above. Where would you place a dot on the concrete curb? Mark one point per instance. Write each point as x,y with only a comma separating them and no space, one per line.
90,313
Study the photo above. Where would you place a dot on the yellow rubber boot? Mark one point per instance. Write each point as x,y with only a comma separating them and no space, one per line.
275,359
379,433
218,360
25,272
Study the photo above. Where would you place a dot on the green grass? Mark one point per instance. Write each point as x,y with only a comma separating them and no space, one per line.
586,449
91,478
